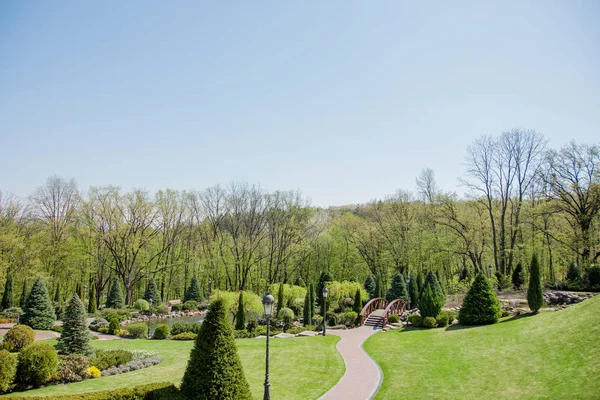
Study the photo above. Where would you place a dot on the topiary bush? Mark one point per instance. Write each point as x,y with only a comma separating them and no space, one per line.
38,310
190,305
8,370
393,319
416,320
161,332
98,323
331,318
442,320
429,322
240,315
18,337
535,296
114,327
348,318
286,316
481,305
138,331
141,305
38,363
73,368
431,298
12,313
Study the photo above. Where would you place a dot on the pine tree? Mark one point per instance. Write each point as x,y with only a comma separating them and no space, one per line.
75,337
323,279
115,298
38,312
357,308
518,276
306,312
441,281
535,296
413,291
370,286
92,308
431,299
420,281
378,290
240,316
152,293
193,292
312,300
214,370
23,298
481,305
57,293
79,290
7,297
398,289
280,299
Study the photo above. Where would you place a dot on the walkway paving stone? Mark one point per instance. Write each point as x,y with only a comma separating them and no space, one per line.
363,376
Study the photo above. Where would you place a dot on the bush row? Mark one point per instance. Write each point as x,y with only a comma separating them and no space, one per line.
152,391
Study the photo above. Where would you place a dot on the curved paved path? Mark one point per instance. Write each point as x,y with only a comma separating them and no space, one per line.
363,376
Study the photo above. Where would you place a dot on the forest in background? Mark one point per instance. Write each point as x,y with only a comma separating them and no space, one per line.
521,198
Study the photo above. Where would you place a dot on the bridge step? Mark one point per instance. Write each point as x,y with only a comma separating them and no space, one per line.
374,320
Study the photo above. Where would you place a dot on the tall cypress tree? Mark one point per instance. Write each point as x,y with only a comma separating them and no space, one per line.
92,308
518,276
240,316
152,293
431,299
23,298
378,290
312,300
420,281
193,292
162,290
535,296
214,370
38,312
398,289
413,290
7,297
115,298
370,286
306,312
75,337
57,293
357,308
280,298
79,290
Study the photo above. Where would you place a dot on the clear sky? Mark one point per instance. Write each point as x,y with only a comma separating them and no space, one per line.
344,100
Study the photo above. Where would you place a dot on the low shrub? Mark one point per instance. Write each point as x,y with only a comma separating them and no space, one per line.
243,334
347,318
393,319
141,305
114,327
184,336
152,391
38,363
442,320
176,307
94,372
161,332
57,328
138,331
133,365
98,323
190,305
252,324
181,327
12,312
332,318
203,305
416,320
162,309
594,275
105,359
8,370
262,331
18,337
120,314
286,316
296,330
73,368
429,322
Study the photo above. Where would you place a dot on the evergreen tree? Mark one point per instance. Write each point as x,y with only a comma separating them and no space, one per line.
573,273
378,290
370,286
79,290
57,293
535,297
323,279
413,291
240,316
23,298
398,289
518,276
299,281
306,312
75,337
214,370
38,312
420,281
280,299
431,299
357,308
115,298
312,300
152,293
481,305
7,297
193,292
92,308
439,275
162,290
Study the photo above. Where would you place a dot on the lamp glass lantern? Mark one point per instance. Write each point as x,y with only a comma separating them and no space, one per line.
268,302
325,291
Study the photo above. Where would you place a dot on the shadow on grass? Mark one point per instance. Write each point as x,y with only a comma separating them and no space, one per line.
459,327
516,317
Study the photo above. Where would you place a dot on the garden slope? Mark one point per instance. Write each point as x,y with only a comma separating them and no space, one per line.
550,355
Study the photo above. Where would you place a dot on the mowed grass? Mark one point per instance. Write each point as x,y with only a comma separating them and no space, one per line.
550,355
300,368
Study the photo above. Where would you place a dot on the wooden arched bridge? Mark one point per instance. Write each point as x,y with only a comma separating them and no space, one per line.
377,311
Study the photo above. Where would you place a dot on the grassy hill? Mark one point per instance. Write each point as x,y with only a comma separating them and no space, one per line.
551,355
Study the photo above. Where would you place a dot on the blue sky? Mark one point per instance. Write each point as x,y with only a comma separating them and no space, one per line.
344,100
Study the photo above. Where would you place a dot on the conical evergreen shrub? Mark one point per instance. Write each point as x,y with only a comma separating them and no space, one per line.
420,281
75,337
57,298
115,298
312,300
23,298
240,316
378,290
481,305
7,297
38,312
413,291
280,299
370,286
518,276
307,318
214,370
431,299
193,292
152,293
92,308
535,296
398,289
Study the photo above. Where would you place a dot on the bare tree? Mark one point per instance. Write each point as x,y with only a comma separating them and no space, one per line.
426,185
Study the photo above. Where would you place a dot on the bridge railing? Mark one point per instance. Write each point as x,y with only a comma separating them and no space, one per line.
374,304
397,307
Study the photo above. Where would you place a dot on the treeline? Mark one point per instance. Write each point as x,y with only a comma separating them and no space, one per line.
522,198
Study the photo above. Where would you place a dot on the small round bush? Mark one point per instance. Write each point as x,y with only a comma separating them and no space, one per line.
73,368
331,318
190,305
287,317
429,322
98,323
114,327
94,372
442,320
182,327
38,363
416,320
176,307
18,337
162,309
141,305
252,324
161,332
8,370
393,319
139,331
12,313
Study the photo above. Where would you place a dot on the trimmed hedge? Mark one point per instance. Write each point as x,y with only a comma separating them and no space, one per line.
38,363
18,337
152,391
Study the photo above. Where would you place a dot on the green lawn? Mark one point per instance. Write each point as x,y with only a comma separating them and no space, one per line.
551,355
301,368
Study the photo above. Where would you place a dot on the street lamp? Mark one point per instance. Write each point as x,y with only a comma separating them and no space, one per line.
325,291
85,295
149,314
268,302
407,298
490,270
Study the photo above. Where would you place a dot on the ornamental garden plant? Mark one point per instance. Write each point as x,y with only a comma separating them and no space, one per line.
38,310
481,305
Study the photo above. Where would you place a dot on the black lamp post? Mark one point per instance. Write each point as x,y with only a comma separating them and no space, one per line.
149,314
407,298
490,270
268,302
85,295
325,291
